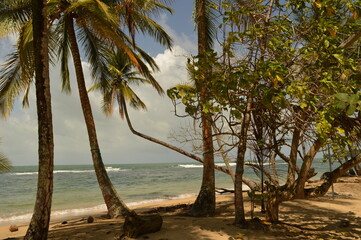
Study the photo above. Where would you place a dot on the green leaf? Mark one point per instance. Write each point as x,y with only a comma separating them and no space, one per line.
327,43
341,105
342,97
353,99
339,58
351,109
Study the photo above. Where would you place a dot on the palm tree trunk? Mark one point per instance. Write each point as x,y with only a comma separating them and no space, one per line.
116,207
205,203
39,224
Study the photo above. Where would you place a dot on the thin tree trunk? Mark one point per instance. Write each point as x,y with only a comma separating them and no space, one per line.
205,204
39,224
240,217
224,156
116,207
306,165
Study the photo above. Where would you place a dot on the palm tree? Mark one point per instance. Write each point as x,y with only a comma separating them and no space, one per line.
118,88
205,202
96,24
39,225
15,78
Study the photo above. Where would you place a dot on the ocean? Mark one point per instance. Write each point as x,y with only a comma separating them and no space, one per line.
76,191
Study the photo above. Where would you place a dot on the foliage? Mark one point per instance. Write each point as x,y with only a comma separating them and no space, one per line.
4,163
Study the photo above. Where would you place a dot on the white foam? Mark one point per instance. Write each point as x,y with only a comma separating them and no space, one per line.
200,166
190,166
22,218
56,214
24,173
111,169
108,169
223,164
181,196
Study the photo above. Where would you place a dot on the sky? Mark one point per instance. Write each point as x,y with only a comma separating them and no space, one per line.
118,145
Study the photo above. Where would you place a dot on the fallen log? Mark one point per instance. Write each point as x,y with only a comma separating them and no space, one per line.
135,225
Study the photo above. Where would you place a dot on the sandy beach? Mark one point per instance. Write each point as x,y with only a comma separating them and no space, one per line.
320,218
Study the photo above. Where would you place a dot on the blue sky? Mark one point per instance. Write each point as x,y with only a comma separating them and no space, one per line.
117,144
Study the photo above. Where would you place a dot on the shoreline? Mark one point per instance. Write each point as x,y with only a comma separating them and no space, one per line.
301,219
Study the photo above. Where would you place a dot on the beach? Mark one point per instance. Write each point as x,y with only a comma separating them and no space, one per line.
321,218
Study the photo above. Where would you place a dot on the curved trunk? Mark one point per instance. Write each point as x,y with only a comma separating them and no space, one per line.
116,207
224,156
167,145
39,224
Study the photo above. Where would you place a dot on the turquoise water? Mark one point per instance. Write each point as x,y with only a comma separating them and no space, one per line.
76,189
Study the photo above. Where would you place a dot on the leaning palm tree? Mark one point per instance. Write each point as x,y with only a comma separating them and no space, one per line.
97,25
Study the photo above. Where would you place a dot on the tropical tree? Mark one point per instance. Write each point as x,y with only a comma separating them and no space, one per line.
204,20
304,81
39,224
13,15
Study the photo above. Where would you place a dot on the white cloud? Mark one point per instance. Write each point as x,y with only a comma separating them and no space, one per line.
180,39
117,144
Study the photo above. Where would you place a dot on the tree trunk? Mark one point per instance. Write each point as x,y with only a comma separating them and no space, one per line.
272,207
240,217
116,207
39,224
135,226
205,204
305,169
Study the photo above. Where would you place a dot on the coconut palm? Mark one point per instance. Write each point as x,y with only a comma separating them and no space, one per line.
204,19
98,24
15,18
39,224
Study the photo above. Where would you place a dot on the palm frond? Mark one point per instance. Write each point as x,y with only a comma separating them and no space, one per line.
146,25
13,14
13,81
94,49
62,48
4,163
209,19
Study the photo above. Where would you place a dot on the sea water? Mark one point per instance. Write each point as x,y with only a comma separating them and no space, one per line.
76,191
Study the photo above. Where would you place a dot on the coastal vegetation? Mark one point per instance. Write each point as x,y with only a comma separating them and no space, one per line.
277,79
284,73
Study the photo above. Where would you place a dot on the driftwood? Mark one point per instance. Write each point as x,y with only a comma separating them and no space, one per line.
224,190
135,225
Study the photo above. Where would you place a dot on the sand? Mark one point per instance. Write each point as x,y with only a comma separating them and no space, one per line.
300,219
